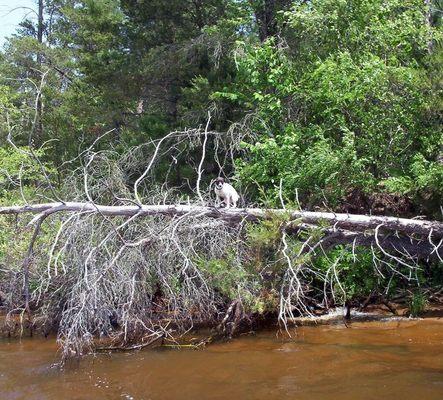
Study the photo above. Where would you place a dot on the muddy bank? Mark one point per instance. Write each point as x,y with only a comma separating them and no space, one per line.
20,327
374,312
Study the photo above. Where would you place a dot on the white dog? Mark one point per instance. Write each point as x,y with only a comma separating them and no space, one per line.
225,193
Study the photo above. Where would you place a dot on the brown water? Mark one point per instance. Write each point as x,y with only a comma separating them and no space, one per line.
371,360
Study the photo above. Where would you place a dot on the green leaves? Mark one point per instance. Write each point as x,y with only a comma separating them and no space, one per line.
18,168
341,103
15,165
345,98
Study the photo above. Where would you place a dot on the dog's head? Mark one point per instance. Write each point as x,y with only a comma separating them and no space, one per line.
219,183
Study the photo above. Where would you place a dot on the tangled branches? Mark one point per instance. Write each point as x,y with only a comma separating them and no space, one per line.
129,259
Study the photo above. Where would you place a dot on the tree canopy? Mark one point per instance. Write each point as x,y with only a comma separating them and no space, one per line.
336,104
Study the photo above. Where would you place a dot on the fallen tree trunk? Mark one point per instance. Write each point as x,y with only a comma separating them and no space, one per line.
351,222
158,270
140,274
421,248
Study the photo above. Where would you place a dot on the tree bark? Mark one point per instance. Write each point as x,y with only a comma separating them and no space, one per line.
351,222
39,106
428,6
265,15
420,248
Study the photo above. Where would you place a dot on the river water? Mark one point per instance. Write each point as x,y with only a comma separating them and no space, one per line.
369,360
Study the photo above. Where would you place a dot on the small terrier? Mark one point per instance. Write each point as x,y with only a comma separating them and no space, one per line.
226,193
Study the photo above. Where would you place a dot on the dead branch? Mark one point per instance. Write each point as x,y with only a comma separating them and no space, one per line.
336,220
130,257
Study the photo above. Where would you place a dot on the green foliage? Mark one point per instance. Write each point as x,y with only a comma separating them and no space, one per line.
225,276
234,281
394,29
18,167
266,234
342,104
264,238
346,98
356,274
150,127
417,304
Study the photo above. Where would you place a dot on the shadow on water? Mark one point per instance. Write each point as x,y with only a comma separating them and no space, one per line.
368,360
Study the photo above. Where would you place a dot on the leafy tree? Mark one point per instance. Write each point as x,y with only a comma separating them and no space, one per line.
338,97
342,102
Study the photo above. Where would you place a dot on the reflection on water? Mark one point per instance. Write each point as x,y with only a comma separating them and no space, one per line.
366,361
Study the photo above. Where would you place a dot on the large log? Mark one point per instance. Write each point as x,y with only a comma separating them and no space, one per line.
352,222
417,248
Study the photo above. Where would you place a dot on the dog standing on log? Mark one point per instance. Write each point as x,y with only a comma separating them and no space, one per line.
226,193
